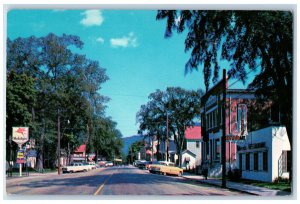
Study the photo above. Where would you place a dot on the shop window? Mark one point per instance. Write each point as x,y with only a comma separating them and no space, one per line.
217,149
247,161
265,161
255,167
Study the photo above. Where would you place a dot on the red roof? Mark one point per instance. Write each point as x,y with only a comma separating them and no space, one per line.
81,148
193,133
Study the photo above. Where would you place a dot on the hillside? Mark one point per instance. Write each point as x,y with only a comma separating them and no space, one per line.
127,141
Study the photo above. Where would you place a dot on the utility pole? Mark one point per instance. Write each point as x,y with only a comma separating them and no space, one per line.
224,132
58,142
167,140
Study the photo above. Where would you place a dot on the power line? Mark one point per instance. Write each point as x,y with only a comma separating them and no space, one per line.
240,79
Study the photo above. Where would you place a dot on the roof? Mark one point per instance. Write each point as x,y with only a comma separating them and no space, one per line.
189,152
81,148
193,133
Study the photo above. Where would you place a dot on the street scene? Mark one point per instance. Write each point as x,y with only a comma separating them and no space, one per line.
123,180
108,102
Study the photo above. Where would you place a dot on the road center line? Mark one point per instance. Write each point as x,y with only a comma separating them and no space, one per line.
101,186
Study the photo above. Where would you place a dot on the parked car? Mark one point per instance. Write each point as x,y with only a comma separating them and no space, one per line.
148,165
109,164
137,162
102,163
166,168
92,165
76,167
142,164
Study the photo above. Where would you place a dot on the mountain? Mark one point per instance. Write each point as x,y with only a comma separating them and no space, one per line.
127,141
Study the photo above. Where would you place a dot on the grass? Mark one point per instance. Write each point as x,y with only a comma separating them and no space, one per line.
283,185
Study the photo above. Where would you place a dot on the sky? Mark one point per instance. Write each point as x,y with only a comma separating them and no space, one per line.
129,44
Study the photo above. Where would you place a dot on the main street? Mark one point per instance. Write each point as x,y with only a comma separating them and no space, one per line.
123,180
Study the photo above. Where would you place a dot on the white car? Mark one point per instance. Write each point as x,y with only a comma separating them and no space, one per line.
109,164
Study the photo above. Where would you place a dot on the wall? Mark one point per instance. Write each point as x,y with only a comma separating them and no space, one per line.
276,140
191,146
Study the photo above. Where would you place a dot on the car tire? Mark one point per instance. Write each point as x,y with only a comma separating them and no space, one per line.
84,170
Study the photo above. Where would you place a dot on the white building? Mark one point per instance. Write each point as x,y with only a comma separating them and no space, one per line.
191,157
263,154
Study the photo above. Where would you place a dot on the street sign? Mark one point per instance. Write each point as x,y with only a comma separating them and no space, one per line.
31,153
20,135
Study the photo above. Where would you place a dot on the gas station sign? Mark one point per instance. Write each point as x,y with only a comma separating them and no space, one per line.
20,135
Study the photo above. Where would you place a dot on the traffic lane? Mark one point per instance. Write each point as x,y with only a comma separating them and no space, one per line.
133,181
84,183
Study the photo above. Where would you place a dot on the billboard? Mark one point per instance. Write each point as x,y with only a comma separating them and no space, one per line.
20,135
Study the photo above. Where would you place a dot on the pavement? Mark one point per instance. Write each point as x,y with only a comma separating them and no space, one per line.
250,189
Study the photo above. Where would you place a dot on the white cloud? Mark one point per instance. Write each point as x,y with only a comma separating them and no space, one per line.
100,40
126,41
92,18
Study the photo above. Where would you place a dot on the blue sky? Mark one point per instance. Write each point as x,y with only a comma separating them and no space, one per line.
129,44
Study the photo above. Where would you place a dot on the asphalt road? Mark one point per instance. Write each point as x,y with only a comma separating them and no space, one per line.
125,180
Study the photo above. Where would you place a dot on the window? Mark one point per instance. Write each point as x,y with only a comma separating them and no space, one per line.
217,149
247,161
255,161
197,144
240,161
265,161
241,118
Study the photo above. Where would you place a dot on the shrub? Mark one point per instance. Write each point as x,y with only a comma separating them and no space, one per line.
235,174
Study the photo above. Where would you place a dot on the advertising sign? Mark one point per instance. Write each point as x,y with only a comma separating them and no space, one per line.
21,157
31,153
21,161
20,135
20,154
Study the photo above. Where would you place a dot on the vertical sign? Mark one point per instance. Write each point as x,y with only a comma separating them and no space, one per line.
20,136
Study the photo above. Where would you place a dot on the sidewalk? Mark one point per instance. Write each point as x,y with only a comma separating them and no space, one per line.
253,190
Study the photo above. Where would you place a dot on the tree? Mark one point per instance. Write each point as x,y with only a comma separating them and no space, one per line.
66,86
134,150
249,40
20,98
182,107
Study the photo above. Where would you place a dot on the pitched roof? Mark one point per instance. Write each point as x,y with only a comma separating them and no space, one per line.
193,133
81,148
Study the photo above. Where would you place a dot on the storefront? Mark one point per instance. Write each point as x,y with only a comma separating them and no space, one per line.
263,155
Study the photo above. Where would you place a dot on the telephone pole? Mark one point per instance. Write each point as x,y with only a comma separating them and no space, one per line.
224,132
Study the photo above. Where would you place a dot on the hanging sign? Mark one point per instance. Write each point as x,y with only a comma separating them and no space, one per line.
20,135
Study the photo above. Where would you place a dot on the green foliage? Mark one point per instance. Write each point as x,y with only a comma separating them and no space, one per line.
182,108
248,40
46,80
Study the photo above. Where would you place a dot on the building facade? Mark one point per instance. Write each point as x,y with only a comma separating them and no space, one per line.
263,155
191,157
236,123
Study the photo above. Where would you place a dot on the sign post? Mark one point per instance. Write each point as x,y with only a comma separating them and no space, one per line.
20,136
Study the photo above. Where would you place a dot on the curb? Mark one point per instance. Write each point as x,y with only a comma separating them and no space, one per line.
217,185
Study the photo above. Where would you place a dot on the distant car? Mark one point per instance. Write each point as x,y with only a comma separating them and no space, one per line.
166,168
92,165
109,164
75,167
102,163
142,164
137,162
